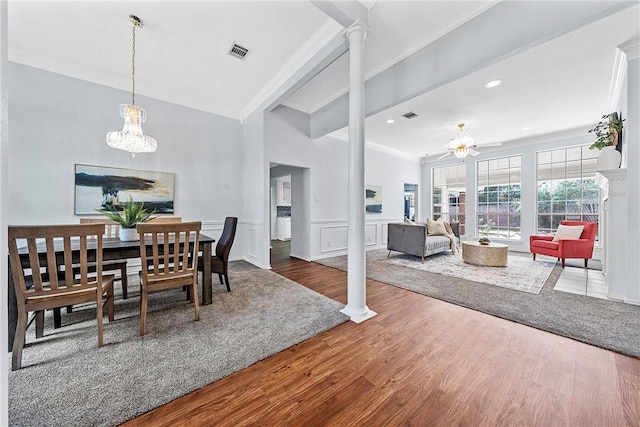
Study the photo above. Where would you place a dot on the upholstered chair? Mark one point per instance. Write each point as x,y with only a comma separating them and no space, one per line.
581,247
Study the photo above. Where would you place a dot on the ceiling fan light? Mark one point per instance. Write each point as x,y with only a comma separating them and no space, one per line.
461,151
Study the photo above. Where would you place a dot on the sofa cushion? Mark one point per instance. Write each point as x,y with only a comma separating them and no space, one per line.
545,244
436,228
568,232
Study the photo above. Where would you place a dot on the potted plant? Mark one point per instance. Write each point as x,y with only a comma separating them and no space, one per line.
484,241
607,133
131,214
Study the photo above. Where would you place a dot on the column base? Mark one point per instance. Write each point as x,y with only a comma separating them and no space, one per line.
358,316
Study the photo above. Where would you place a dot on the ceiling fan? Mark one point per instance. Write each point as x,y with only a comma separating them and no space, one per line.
462,145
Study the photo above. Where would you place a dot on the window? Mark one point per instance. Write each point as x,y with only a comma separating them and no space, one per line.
449,193
499,183
567,187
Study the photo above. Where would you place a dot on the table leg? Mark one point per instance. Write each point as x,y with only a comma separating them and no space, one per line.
207,284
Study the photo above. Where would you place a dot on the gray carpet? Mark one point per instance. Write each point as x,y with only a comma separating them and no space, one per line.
607,324
66,380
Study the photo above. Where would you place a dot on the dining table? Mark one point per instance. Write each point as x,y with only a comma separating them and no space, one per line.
112,249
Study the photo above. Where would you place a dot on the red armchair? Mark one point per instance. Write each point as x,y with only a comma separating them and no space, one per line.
569,248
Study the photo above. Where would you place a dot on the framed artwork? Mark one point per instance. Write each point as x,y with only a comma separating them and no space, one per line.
99,186
373,199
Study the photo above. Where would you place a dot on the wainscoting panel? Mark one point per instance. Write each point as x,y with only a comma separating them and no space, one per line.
371,234
333,238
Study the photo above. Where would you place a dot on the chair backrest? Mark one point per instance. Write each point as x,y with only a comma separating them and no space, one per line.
166,219
48,248
161,257
111,228
589,231
223,248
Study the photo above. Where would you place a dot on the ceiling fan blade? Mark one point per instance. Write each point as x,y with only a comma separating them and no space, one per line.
473,152
444,155
493,144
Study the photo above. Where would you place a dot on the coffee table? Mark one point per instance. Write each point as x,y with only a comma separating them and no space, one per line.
491,255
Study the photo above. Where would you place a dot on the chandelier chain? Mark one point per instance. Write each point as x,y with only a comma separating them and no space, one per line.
133,65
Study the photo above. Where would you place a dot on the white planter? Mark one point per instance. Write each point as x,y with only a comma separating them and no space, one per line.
129,234
609,158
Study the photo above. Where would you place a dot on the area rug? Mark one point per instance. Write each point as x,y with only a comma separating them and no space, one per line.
66,380
603,323
521,274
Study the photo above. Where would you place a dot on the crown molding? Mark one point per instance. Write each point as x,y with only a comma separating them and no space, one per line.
343,135
631,49
617,79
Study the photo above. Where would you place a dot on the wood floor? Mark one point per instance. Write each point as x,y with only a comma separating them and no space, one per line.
419,362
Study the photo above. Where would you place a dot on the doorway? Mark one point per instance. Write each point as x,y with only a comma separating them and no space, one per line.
410,201
290,210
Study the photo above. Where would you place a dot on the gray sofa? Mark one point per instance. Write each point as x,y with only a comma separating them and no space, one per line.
412,239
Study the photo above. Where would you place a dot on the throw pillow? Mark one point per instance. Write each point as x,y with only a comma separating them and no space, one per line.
568,232
408,221
435,228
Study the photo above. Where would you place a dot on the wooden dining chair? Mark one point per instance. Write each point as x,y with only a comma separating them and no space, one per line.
166,251
111,230
165,219
51,245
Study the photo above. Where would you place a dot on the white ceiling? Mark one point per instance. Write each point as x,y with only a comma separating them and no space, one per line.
182,58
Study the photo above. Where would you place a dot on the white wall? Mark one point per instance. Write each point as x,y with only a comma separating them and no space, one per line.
58,121
4,141
326,161
256,192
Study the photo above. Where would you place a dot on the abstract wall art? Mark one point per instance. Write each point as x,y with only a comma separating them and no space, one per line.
373,199
97,187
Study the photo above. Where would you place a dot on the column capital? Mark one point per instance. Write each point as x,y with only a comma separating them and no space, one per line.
358,27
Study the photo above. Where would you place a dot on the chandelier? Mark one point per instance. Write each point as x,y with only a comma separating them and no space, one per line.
461,143
131,138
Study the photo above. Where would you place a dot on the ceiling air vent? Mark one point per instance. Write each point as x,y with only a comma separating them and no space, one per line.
238,51
410,115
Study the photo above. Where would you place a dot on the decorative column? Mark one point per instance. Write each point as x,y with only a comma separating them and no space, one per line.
356,307
613,186
631,140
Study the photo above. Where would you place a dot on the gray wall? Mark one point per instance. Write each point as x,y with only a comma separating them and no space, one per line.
57,121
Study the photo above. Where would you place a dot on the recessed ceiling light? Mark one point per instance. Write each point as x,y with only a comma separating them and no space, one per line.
526,128
492,83
390,121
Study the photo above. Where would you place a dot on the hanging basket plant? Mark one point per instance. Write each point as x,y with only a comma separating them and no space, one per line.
607,131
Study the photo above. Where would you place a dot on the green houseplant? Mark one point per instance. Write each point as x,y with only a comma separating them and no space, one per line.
131,214
607,131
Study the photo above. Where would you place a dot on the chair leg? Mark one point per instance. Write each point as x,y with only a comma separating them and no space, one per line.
586,263
69,309
57,319
194,287
220,278
99,314
18,341
226,278
143,311
124,281
534,256
562,262
110,304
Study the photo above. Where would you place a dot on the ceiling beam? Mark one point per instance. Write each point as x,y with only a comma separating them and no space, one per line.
345,12
471,47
